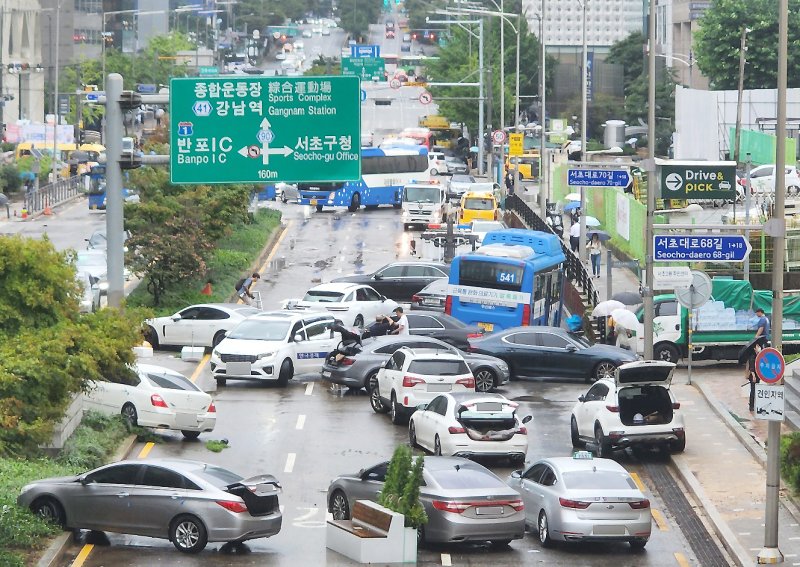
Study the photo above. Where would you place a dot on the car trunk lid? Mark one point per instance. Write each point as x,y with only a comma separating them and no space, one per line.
488,420
260,494
642,372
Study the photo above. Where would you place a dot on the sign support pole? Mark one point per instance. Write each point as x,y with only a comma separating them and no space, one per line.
770,553
748,165
647,288
689,336
114,201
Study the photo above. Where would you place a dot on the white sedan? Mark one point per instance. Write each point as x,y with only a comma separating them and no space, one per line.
202,325
354,304
159,397
469,424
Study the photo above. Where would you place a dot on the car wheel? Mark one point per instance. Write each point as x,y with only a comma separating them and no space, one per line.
543,530
375,396
359,322
603,446
190,434
130,414
437,446
49,510
638,543
396,411
576,438
678,446
221,382
604,370
188,534
286,373
412,435
319,208
484,380
283,197
339,506
355,203
217,338
151,337
666,352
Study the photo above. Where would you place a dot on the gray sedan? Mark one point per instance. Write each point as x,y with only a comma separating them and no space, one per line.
464,501
188,502
359,370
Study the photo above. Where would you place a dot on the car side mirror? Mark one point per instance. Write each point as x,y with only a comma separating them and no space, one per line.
361,473
581,398
571,348
527,418
298,338
422,407
176,317
82,480
516,474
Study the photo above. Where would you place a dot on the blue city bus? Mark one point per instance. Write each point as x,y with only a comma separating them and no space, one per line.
97,187
515,278
384,173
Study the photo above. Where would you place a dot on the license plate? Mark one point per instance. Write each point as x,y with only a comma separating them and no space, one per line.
612,530
313,202
489,511
326,374
238,368
439,387
186,420
488,327
431,302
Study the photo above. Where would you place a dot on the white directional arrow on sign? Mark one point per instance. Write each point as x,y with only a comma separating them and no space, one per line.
267,151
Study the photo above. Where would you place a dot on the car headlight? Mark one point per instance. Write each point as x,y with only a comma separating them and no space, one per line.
266,355
215,352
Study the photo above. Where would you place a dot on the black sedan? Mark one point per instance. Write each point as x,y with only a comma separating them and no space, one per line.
400,280
552,352
431,297
443,327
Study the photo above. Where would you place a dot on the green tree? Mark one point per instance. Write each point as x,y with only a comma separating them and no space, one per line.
9,178
400,491
629,53
717,43
356,16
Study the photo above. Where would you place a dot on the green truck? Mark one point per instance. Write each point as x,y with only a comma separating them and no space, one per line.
721,327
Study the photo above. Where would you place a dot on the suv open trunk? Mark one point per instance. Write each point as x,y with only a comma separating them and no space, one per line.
651,401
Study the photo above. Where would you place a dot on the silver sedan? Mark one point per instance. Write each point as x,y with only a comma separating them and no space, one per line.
188,502
581,498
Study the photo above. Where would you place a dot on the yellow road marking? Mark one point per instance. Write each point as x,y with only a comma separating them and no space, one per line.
681,559
200,365
146,450
84,553
659,518
638,481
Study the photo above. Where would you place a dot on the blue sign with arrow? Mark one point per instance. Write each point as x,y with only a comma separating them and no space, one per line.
365,51
706,248
598,177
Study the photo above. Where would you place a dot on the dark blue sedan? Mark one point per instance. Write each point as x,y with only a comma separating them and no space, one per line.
552,352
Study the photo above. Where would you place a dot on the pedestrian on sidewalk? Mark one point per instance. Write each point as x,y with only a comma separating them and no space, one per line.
751,375
575,236
595,251
243,288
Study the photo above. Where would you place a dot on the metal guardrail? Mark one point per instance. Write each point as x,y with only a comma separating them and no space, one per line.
54,194
575,270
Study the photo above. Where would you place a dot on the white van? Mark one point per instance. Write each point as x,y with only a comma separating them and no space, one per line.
423,204
437,163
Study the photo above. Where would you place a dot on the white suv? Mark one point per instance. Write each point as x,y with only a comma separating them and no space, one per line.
636,408
416,376
356,305
274,345
436,163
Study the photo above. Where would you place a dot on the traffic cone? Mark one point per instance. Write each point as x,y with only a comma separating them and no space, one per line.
47,210
206,289
24,213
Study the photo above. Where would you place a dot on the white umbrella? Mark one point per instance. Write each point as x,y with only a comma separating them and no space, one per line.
591,221
572,197
604,308
625,319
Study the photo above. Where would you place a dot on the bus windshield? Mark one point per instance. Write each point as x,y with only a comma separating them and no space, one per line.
421,194
491,273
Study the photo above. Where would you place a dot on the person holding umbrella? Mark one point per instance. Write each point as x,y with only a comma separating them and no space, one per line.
595,252
757,344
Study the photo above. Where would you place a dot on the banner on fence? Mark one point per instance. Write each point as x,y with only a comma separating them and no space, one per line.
39,133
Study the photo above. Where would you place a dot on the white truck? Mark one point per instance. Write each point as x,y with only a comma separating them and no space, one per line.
423,204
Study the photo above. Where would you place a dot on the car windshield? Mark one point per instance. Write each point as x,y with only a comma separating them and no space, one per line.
462,179
217,476
260,330
479,204
438,367
317,296
421,194
91,259
598,480
466,477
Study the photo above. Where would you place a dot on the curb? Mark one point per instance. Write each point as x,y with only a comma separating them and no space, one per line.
54,553
266,251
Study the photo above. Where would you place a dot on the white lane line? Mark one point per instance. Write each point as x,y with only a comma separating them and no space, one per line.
309,388
301,421
446,561
289,462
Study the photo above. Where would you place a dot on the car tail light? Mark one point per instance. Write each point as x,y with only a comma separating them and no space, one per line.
454,507
434,226
575,504
212,408
613,409
640,504
676,405
679,432
526,315
448,305
416,299
497,214
158,401
467,382
475,336
411,381
230,505
455,430
518,505
522,430
347,361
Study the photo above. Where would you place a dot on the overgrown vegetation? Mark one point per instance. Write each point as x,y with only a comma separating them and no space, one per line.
401,489
93,442
790,459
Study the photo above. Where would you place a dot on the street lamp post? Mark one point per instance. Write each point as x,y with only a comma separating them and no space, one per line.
687,60
584,88
742,63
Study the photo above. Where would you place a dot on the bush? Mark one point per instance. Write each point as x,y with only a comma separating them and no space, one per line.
401,489
9,179
86,448
790,459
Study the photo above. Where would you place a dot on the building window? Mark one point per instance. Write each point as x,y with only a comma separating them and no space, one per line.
90,6
86,36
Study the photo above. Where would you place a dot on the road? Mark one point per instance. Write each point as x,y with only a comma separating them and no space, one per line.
68,227
307,433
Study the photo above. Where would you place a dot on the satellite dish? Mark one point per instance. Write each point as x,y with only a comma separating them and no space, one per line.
698,292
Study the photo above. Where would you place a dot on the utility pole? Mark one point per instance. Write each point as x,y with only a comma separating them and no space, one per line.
647,288
544,162
742,63
114,201
584,88
770,552
54,161
481,97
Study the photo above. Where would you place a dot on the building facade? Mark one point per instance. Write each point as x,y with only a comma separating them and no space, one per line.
676,23
22,89
607,21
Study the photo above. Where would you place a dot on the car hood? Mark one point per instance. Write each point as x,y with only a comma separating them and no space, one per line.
610,351
56,480
352,278
247,346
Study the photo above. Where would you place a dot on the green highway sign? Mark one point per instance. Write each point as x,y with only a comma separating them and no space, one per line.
265,129
696,179
205,71
367,68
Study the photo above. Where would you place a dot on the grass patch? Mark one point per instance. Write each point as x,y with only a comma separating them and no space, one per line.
232,259
91,445
791,358
216,445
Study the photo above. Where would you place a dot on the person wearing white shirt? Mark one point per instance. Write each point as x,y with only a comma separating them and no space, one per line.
575,236
402,322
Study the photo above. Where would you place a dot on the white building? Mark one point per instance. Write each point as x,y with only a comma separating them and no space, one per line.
21,69
607,21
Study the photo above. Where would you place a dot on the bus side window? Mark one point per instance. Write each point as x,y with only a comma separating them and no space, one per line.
541,285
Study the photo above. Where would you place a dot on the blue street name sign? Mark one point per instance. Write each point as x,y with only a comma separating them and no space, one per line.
94,96
710,248
598,177
146,89
365,51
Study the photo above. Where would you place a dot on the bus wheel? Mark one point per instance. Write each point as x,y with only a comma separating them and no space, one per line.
396,205
355,203
319,208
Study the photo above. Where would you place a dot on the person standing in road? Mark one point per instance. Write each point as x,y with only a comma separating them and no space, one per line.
244,291
402,322
595,252
752,377
575,236
762,325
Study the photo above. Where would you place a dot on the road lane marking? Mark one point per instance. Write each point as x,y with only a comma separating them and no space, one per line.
638,481
146,450
200,366
275,248
301,421
309,388
446,561
662,525
681,559
289,462
83,555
